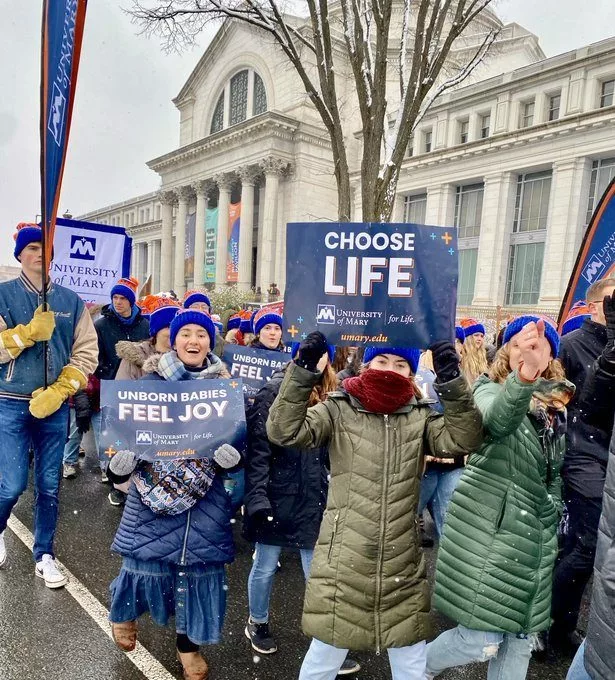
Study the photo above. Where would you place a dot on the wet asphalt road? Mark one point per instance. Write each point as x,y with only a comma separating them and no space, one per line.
47,635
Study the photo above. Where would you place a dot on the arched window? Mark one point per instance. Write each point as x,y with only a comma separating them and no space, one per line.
217,122
246,97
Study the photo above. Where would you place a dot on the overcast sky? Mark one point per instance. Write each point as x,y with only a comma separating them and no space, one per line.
123,114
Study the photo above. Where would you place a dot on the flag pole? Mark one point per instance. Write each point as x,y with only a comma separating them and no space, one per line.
44,216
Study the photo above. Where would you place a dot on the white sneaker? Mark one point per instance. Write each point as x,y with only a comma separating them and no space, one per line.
69,471
103,477
47,570
2,550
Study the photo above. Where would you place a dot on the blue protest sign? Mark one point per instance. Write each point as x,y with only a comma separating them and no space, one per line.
254,366
371,283
161,420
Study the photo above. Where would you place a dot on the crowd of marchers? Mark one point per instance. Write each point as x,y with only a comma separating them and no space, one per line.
507,444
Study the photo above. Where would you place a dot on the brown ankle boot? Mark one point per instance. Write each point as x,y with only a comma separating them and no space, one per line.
194,665
125,635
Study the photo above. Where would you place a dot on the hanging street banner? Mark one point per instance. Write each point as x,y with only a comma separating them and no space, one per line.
371,283
61,38
254,366
211,230
89,258
189,247
232,257
162,420
596,258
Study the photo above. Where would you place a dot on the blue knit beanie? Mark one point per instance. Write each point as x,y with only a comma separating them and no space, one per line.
234,321
161,318
193,296
460,334
265,316
245,326
26,234
294,348
410,354
576,316
183,317
550,330
127,288
471,326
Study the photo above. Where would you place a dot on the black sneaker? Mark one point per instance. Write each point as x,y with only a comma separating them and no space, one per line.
565,644
116,497
349,667
260,638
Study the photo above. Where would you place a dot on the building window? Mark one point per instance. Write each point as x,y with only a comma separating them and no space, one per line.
532,202
527,114
606,95
467,275
217,122
242,99
239,98
485,126
603,172
415,209
427,136
469,210
554,105
524,273
260,96
464,127
410,147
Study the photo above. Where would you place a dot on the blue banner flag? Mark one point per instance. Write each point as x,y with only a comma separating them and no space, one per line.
596,258
161,420
371,284
254,366
62,34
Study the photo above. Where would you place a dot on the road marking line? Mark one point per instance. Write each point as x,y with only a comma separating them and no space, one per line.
141,658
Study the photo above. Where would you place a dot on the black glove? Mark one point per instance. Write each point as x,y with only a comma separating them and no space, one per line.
445,360
311,351
261,518
83,411
608,305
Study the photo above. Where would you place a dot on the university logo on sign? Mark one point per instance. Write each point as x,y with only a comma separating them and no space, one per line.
594,269
82,247
326,314
56,114
144,437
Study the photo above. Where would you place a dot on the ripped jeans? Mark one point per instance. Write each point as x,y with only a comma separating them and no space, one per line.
508,654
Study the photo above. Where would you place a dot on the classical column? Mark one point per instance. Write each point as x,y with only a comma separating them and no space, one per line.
273,168
496,226
184,194
567,206
248,175
202,189
280,232
135,262
150,265
167,200
156,267
440,209
225,182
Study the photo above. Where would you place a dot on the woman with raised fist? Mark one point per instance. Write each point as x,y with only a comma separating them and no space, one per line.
368,586
495,564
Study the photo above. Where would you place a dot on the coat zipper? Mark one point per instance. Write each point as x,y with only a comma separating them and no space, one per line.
182,560
382,530
337,516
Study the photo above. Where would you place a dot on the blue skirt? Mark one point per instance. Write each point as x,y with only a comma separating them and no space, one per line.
195,594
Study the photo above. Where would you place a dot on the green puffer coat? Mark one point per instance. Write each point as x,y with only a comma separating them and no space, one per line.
368,587
495,563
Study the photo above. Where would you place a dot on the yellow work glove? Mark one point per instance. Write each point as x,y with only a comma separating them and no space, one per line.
15,340
46,401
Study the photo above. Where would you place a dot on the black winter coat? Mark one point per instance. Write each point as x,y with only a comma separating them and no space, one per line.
587,445
110,331
288,483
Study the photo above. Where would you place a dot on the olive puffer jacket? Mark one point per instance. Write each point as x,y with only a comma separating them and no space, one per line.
368,587
495,562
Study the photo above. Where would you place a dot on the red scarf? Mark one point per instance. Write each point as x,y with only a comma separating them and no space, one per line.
381,391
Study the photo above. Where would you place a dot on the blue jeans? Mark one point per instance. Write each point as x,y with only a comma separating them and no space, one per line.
323,661
71,450
436,491
260,581
508,655
20,430
577,669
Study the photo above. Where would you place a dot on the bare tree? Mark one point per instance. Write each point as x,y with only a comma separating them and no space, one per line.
360,30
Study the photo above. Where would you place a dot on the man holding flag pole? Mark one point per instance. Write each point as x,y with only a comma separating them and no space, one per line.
48,345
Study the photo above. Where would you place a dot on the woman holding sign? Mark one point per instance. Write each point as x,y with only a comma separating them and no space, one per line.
495,565
175,535
368,586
